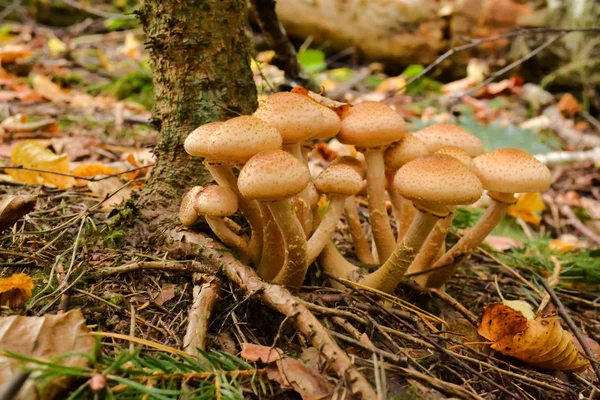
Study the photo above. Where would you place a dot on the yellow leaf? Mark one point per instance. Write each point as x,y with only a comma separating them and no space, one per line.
527,206
30,154
392,84
15,290
566,243
541,342
91,170
56,46
522,306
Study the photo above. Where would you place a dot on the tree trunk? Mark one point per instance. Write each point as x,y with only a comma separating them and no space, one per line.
199,55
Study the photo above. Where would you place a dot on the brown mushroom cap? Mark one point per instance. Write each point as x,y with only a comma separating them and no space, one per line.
406,149
216,201
187,214
436,181
441,135
339,179
297,117
371,124
457,153
512,171
273,175
239,138
358,165
196,143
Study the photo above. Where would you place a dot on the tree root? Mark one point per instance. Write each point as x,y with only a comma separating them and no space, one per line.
213,258
206,295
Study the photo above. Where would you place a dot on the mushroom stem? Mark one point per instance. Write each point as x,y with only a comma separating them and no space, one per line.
404,212
224,176
334,264
382,230
302,208
323,233
431,248
387,277
473,238
229,238
273,255
294,268
361,246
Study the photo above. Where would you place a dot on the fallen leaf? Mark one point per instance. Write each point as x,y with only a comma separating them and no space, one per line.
56,46
392,84
12,208
567,242
47,338
502,243
48,89
30,154
112,187
568,105
15,290
90,170
289,372
541,342
166,293
11,53
527,206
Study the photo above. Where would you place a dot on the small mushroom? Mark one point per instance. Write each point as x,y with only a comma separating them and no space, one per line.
274,178
503,173
361,246
432,183
216,202
337,181
372,126
187,214
441,135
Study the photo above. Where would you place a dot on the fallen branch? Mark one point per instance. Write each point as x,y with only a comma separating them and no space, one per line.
565,157
567,132
206,296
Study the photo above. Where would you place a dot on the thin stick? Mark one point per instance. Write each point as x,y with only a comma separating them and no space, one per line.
513,272
476,42
84,178
573,220
552,282
562,311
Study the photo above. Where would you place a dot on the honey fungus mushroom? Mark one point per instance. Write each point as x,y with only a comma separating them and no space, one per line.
274,178
503,173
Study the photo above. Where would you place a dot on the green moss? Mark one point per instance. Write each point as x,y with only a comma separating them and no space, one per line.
115,298
135,86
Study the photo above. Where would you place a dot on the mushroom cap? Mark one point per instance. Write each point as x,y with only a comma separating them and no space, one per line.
358,165
437,180
441,135
512,171
274,175
457,153
371,124
216,201
239,138
187,214
339,179
196,143
406,149
297,117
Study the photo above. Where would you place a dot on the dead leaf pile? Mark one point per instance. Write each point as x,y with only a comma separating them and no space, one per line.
541,341
46,338
289,372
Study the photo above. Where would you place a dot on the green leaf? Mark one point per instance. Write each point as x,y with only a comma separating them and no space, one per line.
312,60
114,24
412,70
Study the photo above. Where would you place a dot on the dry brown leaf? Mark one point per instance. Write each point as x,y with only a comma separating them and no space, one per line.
12,52
48,89
44,338
110,187
502,243
166,293
541,342
289,372
12,208
15,290
568,105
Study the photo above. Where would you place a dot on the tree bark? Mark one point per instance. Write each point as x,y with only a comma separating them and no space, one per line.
200,59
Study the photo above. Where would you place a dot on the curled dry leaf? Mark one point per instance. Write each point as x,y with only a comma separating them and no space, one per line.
15,290
541,342
47,338
12,208
289,372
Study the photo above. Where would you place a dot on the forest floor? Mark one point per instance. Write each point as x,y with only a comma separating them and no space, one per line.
88,96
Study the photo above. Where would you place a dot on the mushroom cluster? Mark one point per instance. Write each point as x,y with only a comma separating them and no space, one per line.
423,175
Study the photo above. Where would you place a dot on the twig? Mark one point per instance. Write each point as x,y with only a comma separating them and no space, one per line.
513,272
553,281
84,178
274,32
174,266
567,132
392,357
514,64
562,311
476,42
279,299
97,12
8,10
206,296
442,386
577,224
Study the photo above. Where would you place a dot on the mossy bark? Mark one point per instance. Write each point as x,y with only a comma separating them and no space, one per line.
200,59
